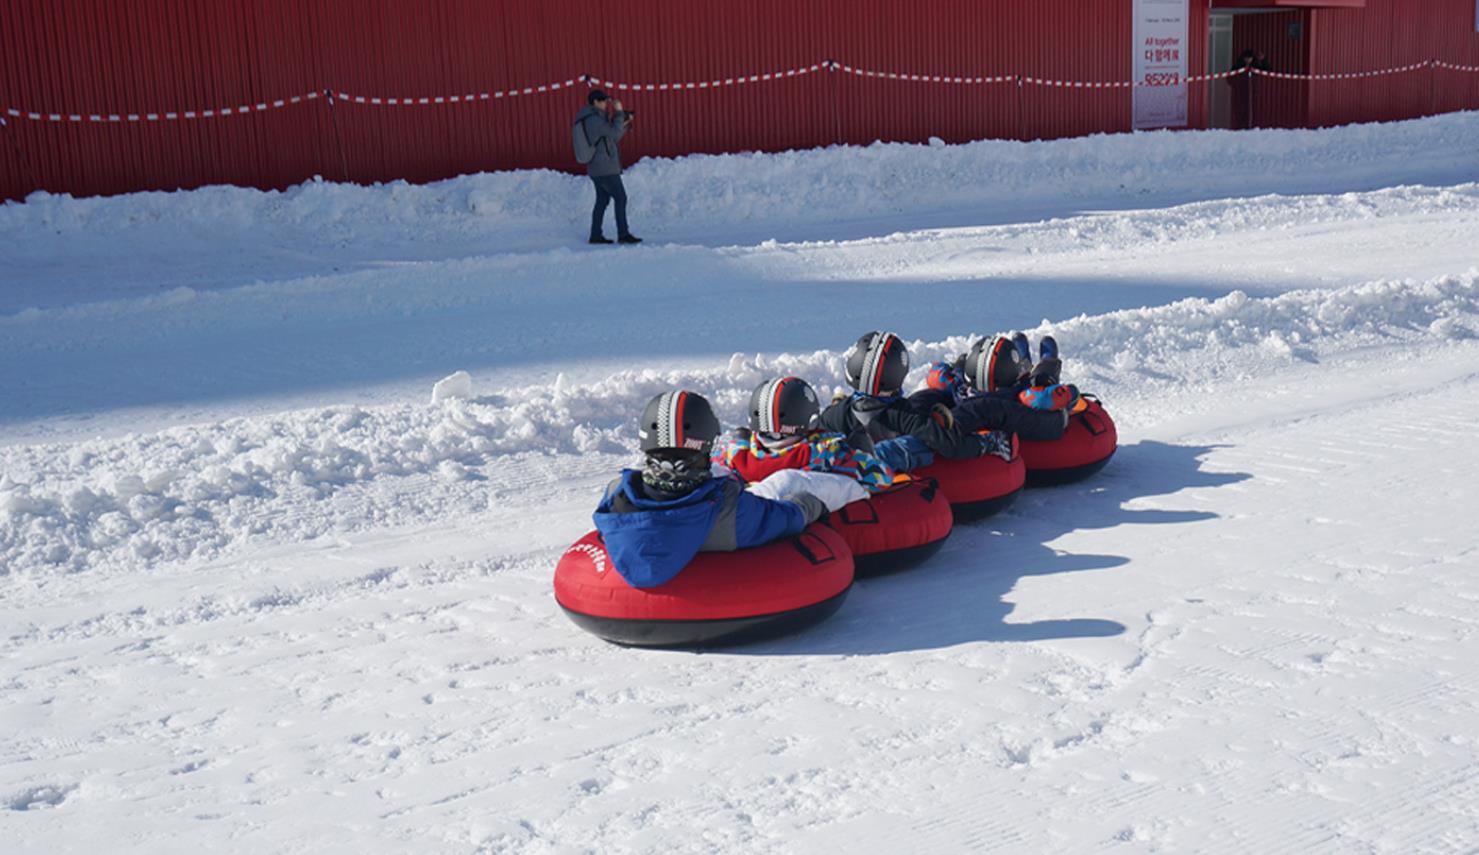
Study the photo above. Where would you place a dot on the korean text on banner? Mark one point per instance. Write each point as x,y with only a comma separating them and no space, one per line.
1160,57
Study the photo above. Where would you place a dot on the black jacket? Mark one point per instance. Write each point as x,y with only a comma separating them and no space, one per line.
993,411
886,418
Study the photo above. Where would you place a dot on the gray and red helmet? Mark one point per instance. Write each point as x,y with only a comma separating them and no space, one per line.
993,363
679,420
877,363
784,407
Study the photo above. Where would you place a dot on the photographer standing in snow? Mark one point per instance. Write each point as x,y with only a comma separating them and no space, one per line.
595,138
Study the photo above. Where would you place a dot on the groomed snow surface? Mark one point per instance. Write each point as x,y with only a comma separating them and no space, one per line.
284,478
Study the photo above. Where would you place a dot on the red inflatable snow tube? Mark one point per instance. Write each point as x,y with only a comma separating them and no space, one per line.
980,486
895,529
1086,445
719,597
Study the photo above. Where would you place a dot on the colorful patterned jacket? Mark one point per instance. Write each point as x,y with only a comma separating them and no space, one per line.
819,451
950,377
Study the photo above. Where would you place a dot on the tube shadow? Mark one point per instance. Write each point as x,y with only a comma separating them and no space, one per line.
961,595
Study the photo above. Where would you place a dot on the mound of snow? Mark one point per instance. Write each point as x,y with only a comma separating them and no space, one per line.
193,492
699,196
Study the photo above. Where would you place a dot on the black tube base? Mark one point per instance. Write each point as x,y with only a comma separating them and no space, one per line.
1054,477
972,511
884,563
704,633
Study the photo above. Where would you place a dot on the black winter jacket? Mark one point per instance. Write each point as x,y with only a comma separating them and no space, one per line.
886,418
995,412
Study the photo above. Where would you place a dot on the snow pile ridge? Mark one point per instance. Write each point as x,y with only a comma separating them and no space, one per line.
788,187
191,493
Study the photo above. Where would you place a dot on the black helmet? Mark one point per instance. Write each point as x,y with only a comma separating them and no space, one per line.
783,407
877,363
678,420
993,364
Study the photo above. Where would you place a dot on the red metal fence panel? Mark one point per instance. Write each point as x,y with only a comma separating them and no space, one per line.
1393,34
117,61
273,75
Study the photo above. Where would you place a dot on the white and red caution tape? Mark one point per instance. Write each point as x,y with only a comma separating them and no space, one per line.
706,84
161,115
918,78
1220,75
1348,75
427,100
335,95
1079,84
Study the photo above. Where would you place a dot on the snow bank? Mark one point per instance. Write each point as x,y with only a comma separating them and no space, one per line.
716,192
194,492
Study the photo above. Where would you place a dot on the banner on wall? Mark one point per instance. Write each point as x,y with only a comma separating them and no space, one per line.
1160,58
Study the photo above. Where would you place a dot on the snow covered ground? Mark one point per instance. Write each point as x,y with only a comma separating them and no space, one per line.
258,591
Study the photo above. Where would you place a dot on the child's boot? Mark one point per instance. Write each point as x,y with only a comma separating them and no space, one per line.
1024,350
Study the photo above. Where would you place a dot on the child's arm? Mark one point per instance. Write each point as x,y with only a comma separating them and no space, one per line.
758,521
991,412
727,447
924,399
838,417
949,377
835,455
945,439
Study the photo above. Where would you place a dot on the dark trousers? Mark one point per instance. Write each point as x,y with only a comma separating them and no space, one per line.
609,188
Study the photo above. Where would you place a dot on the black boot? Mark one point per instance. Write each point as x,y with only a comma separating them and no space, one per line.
1047,372
628,238
601,239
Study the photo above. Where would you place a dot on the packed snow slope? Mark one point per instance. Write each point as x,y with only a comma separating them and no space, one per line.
258,591
188,305
68,250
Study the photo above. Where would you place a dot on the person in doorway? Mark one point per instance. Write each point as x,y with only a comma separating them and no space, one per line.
1244,85
598,128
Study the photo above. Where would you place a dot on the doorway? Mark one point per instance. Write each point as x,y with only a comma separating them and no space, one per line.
1219,59
1279,35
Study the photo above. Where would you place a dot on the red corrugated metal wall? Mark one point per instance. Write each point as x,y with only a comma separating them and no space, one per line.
1388,34
84,56
87,57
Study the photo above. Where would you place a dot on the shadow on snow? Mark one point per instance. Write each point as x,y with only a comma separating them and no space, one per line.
961,594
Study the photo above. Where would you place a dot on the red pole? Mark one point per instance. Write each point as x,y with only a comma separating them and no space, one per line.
1252,81
338,139
1432,88
1021,113
836,108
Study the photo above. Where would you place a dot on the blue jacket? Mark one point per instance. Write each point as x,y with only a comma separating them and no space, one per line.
651,540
